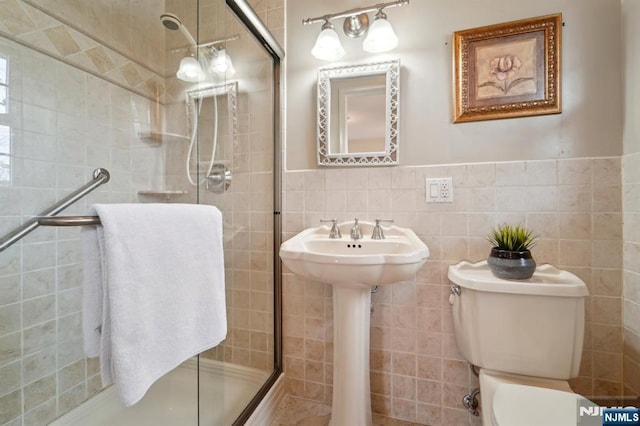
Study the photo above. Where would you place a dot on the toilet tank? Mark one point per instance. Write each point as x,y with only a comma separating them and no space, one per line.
532,327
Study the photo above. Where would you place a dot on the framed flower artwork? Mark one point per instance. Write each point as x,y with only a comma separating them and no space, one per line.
508,70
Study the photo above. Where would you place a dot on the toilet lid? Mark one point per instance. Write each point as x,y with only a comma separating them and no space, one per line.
520,405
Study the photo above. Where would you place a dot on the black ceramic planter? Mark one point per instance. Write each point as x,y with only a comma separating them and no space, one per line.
511,265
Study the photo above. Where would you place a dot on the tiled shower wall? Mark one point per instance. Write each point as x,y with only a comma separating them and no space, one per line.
79,95
120,41
70,113
417,373
64,123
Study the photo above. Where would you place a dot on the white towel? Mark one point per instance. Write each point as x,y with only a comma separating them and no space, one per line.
154,292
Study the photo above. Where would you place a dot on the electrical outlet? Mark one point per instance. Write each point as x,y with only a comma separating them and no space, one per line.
440,190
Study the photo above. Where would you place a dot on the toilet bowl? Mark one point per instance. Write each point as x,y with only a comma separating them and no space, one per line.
520,405
526,337
528,401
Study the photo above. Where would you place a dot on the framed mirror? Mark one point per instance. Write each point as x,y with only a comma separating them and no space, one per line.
358,117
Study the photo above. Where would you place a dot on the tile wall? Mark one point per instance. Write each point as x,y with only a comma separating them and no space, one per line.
65,121
63,124
101,38
120,25
631,295
417,374
76,103
79,99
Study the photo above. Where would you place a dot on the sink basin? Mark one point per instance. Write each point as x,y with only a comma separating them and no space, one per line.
365,262
352,268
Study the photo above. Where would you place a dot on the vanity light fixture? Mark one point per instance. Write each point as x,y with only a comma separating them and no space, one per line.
190,70
380,36
210,57
221,63
328,46
356,25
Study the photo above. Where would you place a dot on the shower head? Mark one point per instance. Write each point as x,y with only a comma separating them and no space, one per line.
170,21
173,23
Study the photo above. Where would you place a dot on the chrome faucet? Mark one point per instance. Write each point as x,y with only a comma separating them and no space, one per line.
378,234
356,233
334,233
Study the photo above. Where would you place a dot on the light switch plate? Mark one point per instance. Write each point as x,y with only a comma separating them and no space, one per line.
439,190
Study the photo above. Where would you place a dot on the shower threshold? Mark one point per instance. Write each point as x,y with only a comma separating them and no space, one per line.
225,389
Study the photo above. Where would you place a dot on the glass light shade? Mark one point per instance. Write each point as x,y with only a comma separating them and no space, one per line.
328,46
190,70
381,37
221,63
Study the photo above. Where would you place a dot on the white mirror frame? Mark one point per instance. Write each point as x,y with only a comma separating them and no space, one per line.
388,157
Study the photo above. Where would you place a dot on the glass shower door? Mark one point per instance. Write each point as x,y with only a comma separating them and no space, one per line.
240,124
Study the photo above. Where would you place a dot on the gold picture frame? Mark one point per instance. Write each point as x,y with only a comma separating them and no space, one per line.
508,70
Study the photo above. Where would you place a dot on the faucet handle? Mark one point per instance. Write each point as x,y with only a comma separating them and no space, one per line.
378,234
356,233
334,233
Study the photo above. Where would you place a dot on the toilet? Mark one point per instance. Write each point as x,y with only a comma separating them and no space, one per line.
525,337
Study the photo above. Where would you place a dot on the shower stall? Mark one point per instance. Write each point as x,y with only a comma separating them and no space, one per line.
179,101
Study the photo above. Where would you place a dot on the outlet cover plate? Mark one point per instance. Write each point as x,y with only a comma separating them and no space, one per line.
439,190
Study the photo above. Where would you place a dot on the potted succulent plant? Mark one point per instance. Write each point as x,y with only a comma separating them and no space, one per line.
510,256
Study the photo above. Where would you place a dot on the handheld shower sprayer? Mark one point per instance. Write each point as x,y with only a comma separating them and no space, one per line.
173,23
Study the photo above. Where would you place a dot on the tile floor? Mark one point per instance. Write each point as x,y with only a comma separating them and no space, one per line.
300,412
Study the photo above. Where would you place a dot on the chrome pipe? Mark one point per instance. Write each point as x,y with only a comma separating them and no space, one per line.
356,11
470,401
69,220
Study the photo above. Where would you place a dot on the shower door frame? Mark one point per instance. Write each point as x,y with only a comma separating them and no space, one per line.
259,31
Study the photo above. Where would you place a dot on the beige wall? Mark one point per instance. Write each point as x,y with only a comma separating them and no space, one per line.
589,126
631,71
631,185
560,175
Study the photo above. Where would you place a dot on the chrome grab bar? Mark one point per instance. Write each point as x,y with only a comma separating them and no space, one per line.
100,176
69,221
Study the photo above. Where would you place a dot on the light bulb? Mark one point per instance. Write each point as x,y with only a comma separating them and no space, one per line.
190,70
381,36
328,46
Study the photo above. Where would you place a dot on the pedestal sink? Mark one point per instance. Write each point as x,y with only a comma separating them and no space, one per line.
353,267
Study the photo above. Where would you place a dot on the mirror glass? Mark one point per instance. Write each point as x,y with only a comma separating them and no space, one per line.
358,114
